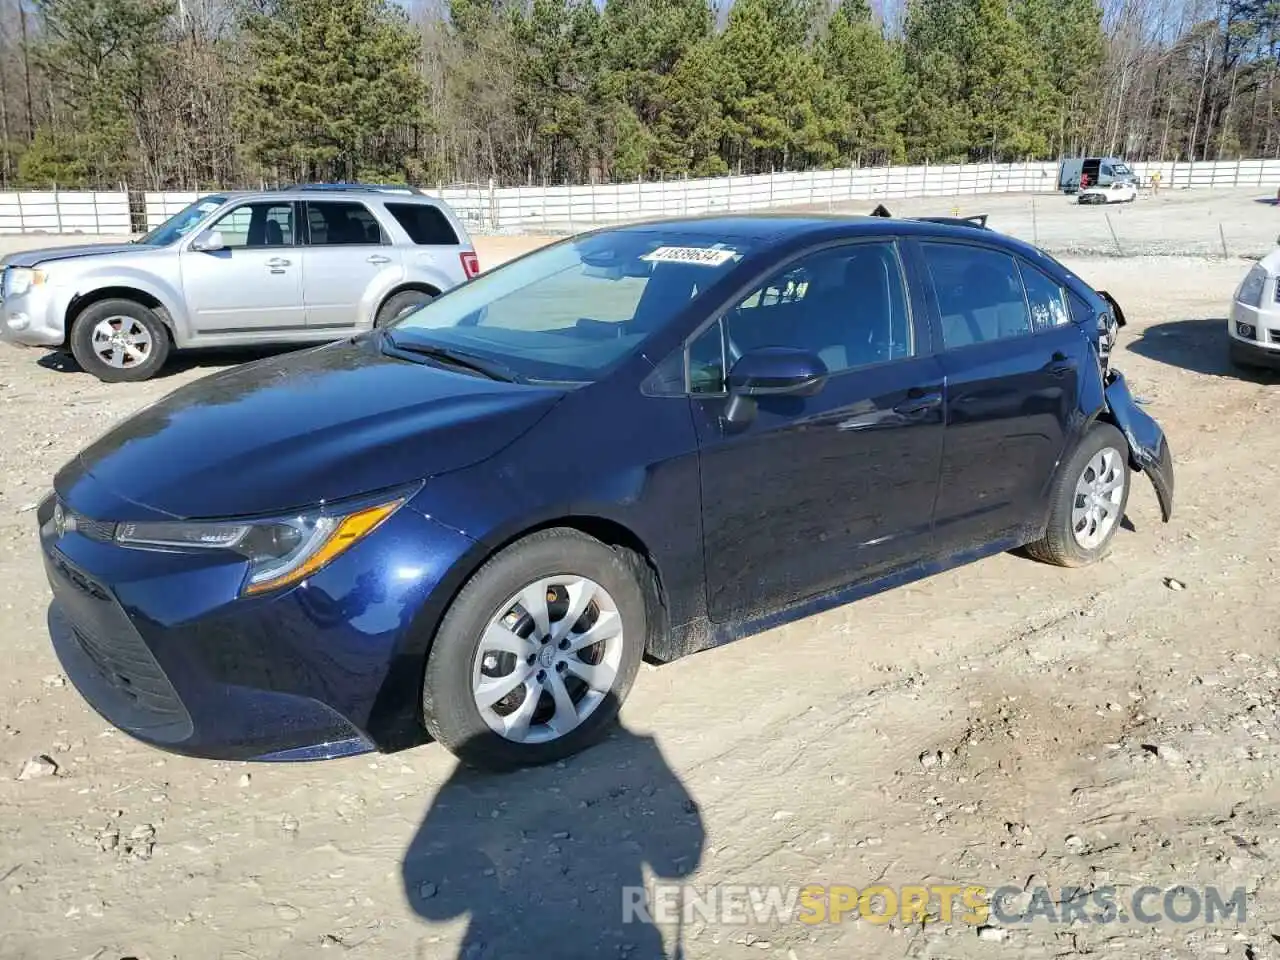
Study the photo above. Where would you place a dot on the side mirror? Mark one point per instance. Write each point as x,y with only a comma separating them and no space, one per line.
209,242
772,372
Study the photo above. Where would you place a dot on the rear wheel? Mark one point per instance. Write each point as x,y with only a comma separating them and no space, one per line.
1087,500
397,306
119,341
537,652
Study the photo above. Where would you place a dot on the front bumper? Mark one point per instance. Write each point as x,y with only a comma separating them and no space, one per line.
34,318
162,646
1262,347
1148,446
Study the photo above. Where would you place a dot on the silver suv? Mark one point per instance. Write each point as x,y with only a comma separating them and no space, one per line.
300,265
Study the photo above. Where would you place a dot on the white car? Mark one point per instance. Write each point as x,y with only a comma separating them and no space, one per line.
1110,193
1254,326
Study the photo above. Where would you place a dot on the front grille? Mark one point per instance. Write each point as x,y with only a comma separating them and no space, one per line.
101,530
130,688
127,664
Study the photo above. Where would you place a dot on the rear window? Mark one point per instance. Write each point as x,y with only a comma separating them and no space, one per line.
425,224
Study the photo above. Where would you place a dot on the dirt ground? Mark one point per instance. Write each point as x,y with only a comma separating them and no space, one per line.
1007,723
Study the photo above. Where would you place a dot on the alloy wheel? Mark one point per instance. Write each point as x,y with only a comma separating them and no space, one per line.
1098,496
547,659
121,342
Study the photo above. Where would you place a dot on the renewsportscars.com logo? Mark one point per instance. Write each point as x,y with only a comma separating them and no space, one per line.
976,904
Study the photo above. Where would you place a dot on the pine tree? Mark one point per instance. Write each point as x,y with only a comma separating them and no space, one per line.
333,82
867,72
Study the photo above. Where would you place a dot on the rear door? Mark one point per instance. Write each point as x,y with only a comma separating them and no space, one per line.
819,492
1012,360
254,284
347,262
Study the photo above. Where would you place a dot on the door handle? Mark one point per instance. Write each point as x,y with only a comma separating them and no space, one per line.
918,403
379,258
277,262
1060,364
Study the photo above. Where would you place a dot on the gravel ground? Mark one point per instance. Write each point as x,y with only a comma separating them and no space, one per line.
1007,723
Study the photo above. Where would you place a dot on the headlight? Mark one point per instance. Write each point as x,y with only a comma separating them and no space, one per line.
280,552
1250,292
18,280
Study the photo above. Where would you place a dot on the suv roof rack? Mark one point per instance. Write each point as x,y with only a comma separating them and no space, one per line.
359,188
977,220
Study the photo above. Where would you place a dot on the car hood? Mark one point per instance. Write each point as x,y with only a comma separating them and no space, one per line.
31,258
291,431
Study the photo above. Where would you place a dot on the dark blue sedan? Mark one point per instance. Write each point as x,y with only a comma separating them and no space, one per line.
474,523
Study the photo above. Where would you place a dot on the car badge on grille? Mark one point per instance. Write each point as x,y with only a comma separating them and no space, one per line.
64,521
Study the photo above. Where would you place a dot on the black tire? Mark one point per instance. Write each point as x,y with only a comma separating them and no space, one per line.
1059,545
82,341
400,303
449,708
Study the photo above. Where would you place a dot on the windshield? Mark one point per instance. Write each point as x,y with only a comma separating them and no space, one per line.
182,222
571,310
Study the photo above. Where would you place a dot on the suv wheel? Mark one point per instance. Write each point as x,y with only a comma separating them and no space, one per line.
400,304
538,651
1087,500
119,341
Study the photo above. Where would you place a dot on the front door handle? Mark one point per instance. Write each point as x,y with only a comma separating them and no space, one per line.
918,404
379,258
277,262
1060,364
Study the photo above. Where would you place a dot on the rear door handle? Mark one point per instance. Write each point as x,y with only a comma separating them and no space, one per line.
379,258
917,403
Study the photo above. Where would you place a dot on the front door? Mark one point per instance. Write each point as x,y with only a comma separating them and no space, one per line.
254,284
823,491
1012,359
346,251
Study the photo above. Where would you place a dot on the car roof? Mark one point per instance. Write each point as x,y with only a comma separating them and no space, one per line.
390,192
779,227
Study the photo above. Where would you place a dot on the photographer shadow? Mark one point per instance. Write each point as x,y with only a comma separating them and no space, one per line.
545,861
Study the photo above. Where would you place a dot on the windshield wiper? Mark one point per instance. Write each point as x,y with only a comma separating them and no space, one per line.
488,368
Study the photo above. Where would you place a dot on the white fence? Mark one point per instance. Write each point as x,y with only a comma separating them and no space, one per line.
567,207
64,212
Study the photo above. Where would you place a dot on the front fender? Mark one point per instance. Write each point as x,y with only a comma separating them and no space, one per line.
169,294
1148,447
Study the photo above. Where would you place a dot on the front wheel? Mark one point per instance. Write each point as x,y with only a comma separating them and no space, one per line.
1087,500
538,651
119,341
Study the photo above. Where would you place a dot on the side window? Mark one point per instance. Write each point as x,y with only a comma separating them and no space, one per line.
258,225
979,292
425,224
1047,300
1106,169
334,222
847,304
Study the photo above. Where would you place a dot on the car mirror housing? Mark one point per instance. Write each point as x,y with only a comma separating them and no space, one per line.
777,371
772,372
209,242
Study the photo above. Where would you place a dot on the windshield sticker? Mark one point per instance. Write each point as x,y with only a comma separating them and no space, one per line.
703,256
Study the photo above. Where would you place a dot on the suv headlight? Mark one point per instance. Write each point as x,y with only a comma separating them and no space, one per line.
281,552
1250,291
18,280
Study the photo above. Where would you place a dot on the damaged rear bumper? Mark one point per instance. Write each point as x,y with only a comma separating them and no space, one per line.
1148,446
